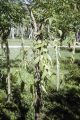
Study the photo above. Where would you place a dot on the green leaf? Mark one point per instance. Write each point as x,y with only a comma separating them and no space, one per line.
37,60
43,89
60,32
44,74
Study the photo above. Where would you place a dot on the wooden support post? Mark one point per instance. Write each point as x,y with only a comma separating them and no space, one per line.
58,68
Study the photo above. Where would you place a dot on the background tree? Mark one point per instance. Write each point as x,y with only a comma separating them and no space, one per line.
10,13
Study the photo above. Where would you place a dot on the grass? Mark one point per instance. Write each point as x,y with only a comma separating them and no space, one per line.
28,42
16,42
14,52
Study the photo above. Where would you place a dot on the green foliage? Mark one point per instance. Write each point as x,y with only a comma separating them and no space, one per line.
65,103
44,59
74,75
56,17
2,95
21,100
10,14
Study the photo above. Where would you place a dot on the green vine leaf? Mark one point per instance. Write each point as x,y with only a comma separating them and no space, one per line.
36,60
43,89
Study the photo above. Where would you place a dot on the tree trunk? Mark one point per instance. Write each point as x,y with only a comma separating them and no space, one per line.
22,31
30,33
61,42
17,31
12,32
37,36
37,74
8,71
38,92
5,34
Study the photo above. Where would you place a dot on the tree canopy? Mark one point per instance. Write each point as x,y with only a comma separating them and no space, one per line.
10,13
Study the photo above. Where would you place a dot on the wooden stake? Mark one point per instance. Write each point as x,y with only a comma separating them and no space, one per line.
58,68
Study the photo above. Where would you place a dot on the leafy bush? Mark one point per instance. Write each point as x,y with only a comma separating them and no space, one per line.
64,104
